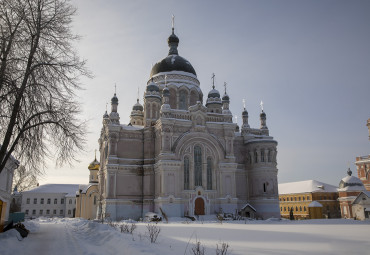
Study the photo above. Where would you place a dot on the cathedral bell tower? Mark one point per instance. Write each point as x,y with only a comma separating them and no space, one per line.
152,103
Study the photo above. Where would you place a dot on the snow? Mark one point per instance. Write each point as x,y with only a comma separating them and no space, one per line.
305,187
55,188
59,236
351,183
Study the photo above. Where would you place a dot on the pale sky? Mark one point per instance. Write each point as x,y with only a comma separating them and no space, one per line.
309,61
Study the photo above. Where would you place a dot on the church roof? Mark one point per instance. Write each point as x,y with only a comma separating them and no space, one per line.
307,186
315,204
173,62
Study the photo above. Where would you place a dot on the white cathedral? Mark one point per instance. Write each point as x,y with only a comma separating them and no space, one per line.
182,157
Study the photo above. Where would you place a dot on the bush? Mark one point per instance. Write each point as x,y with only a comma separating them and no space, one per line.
222,250
153,232
128,228
198,249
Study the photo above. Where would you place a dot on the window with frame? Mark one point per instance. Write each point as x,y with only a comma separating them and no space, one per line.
28,201
55,201
26,212
186,173
69,212
54,211
62,201
95,199
48,211
209,173
183,100
198,165
48,201
33,212
304,208
269,156
35,201
42,201
61,212
41,212
262,155
70,201
255,157
264,187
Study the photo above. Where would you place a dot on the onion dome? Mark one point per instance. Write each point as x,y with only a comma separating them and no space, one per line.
214,93
152,86
245,113
225,98
263,114
173,62
114,99
137,106
105,116
94,165
351,183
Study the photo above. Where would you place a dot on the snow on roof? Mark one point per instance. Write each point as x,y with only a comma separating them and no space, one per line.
134,127
351,183
248,204
315,204
305,187
55,188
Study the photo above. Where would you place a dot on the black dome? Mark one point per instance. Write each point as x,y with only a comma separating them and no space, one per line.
172,63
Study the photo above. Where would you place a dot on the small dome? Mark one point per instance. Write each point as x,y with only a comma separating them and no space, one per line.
105,115
245,113
214,93
226,97
152,86
351,183
137,106
114,99
173,39
94,165
263,114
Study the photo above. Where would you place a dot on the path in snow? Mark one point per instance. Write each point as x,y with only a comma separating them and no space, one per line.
82,237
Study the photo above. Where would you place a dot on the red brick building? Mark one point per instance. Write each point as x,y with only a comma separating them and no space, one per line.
363,166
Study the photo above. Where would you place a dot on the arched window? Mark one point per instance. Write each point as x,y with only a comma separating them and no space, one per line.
193,97
186,173
173,98
183,100
255,157
262,155
198,166
209,173
95,200
269,156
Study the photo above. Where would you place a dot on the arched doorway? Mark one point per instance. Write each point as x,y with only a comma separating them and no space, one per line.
199,206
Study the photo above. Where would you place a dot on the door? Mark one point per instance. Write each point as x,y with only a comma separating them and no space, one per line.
199,206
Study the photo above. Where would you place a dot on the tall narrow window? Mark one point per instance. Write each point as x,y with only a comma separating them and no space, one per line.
183,100
262,155
209,173
198,166
186,173
264,187
95,200
255,157
269,156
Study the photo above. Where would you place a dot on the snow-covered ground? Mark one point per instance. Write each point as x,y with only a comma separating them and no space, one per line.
78,236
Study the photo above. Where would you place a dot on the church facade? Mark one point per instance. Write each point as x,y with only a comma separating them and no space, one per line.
181,156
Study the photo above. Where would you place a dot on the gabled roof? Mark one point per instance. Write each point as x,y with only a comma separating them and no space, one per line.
248,205
55,188
308,186
366,193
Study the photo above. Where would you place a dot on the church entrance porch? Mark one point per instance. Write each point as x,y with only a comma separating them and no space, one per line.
199,206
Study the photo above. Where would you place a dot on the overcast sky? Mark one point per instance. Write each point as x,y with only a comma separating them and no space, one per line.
309,61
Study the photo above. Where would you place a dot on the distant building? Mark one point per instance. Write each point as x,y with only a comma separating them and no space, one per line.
6,181
299,195
349,188
88,198
363,166
361,206
50,200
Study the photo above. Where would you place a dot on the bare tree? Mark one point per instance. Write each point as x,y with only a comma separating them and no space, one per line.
39,75
24,178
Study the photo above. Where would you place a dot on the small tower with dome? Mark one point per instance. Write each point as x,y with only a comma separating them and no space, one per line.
349,188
